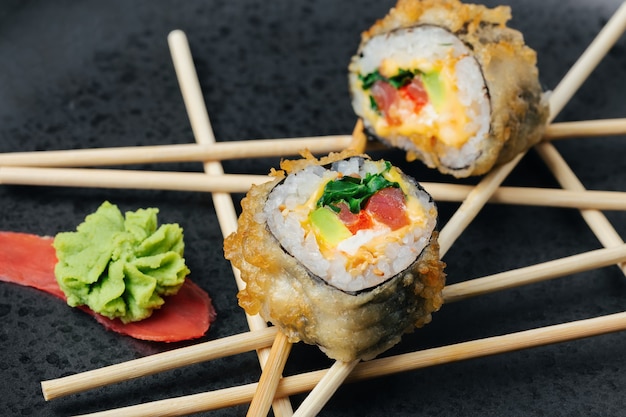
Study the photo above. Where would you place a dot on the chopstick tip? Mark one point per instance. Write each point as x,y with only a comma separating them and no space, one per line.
176,35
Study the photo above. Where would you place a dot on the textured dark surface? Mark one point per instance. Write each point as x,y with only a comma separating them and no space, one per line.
95,74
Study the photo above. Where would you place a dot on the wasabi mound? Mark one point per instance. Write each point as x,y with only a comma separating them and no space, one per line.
120,266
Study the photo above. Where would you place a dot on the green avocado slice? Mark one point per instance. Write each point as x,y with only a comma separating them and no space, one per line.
434,87
328,226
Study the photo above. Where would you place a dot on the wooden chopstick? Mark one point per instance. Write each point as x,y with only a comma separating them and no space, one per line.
224,207
257,148
129,179
587,128
588,60
296,384
159,362
490,346
325,388
257,339
568,265
241,183
270,377
532,196
220,151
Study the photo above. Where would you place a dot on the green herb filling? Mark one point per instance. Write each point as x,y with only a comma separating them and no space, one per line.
354,191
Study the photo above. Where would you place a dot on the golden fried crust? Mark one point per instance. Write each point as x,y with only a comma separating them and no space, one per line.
451,14
245,256
292,165
519,110
345,326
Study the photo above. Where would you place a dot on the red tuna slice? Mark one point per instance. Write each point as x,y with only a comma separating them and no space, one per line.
29,260
416,93
388,207
354,222
385,95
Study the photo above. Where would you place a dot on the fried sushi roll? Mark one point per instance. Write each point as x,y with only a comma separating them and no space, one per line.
339,252
450,84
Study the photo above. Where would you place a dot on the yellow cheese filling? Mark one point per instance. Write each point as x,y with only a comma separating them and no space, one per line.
443,119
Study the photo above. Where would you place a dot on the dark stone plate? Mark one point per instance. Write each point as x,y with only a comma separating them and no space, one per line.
96,74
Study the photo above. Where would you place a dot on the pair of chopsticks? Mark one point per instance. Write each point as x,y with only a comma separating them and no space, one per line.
256,148
51,168
472,204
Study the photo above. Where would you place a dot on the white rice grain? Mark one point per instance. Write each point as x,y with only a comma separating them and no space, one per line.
284,219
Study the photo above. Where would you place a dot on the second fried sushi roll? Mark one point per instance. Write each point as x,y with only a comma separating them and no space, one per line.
341,253
449,83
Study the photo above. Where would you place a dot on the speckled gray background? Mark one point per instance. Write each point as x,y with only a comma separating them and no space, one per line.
94,74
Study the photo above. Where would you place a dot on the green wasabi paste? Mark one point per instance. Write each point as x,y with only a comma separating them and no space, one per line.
118,265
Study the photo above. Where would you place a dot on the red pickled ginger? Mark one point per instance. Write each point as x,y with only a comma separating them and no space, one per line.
29,260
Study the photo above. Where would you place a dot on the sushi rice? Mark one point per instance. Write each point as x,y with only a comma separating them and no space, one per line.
288,207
